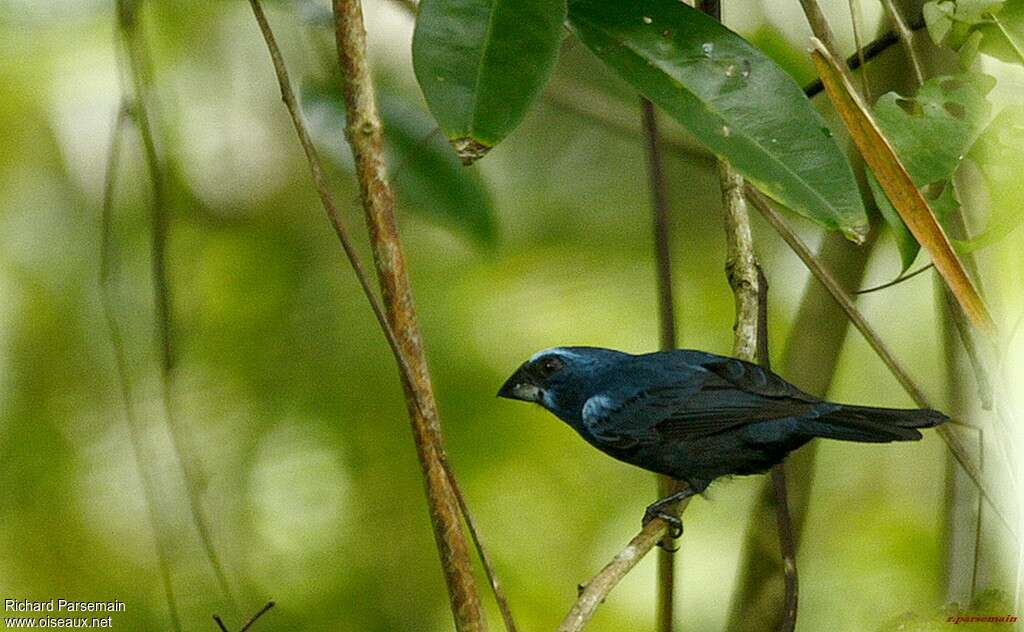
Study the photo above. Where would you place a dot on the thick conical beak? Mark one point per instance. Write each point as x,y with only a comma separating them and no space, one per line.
521,387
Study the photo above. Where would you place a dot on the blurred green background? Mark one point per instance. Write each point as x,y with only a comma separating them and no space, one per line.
289,395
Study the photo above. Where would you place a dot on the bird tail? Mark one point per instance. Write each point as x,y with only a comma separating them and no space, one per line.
876,425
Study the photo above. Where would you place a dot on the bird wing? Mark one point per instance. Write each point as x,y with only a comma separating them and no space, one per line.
717,394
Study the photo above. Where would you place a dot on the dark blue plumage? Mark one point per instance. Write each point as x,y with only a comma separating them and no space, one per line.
692,415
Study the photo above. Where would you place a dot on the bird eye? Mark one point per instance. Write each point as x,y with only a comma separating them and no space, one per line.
549,365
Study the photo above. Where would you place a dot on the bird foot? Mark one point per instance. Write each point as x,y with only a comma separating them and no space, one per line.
675,525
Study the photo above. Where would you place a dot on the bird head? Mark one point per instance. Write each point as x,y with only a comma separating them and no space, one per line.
561,379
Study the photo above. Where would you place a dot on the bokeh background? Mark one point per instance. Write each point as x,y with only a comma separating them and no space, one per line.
286,390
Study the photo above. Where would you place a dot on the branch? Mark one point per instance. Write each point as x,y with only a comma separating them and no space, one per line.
906,37
825,276
750,289
139,69
667,328
595,591
818,331
364,133
135,434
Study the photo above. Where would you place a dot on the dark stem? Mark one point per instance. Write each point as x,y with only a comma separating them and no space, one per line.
252,620
872,50
667,330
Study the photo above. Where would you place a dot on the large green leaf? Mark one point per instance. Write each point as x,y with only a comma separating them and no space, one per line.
428,178
482,63
997,153
731,97
931,132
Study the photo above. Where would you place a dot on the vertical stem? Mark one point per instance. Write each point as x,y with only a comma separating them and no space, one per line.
364,134
818,331
857,20
667,329
750,343
140,71
135,435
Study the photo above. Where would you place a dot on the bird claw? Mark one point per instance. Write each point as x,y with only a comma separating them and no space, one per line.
675,525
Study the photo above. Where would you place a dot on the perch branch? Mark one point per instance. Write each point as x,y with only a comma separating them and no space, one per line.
667,330
595,591
139,70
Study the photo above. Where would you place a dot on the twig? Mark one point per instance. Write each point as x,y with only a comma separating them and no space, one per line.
149,487
822,30
899,372
364,134
220,623
667,331
857,20
900,279
906,38
139,69
485,558
818,331
595,591
252,620
750,343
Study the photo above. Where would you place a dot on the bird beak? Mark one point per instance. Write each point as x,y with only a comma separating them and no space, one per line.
519,386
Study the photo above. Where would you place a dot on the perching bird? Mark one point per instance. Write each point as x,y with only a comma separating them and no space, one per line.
692,415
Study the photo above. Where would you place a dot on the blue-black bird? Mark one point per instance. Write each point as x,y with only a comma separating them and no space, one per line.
692,415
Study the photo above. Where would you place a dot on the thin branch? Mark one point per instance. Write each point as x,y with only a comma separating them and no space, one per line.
364,132
871,51
667,332
900,279
825,276
906,38
822,30
135,435
857,20
485,558
595,591
139,69
220,623
252,620
750,343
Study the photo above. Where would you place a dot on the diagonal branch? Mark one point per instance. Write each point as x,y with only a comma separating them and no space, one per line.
364,133
442,488
825,276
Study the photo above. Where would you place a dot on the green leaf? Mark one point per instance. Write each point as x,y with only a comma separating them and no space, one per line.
993,27
930,133
1004,34
428,178
731,97
481,64
997,155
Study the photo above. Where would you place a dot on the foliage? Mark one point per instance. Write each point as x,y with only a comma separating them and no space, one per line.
931,131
